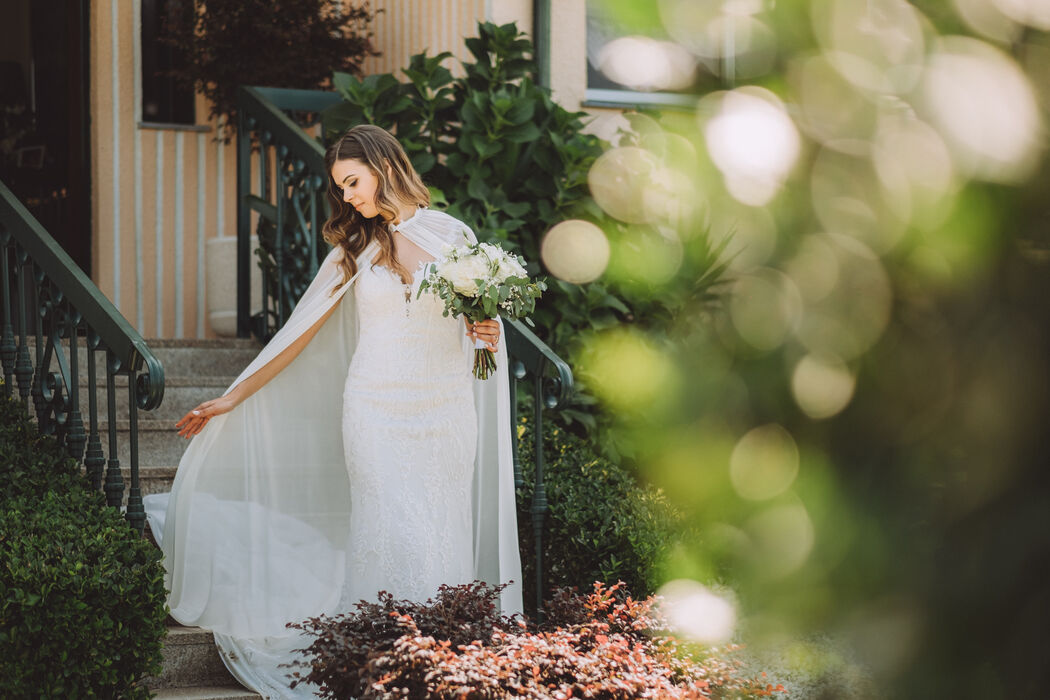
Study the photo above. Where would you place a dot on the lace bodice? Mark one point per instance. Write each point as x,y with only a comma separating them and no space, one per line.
397,323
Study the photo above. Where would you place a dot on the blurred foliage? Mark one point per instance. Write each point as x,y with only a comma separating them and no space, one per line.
888,310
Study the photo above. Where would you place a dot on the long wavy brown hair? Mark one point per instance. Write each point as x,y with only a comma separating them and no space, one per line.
398,182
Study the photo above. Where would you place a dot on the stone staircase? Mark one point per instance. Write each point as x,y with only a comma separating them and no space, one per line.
195,370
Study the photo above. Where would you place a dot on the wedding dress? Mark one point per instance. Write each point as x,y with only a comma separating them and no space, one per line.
373,461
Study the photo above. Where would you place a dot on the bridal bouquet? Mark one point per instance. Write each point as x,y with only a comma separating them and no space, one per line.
480,281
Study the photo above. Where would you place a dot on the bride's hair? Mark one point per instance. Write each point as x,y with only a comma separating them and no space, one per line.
398,182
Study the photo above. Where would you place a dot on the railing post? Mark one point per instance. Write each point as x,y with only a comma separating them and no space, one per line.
7,335
75,436
244,166
517,372
280,151
23,366
136,514
539,495
95,459
114,480
38,378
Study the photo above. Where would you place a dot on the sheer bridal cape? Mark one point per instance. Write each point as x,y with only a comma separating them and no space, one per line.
254,531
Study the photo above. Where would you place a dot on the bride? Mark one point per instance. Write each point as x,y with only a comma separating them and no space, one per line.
357,452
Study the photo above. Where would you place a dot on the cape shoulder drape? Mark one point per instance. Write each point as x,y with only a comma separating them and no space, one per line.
254,531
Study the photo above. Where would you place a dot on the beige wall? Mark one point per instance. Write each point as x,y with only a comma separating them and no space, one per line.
160,194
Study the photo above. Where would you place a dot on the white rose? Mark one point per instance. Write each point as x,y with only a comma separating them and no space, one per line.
509,267
463,273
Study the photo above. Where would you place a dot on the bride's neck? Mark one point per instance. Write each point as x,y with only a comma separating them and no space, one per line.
404,212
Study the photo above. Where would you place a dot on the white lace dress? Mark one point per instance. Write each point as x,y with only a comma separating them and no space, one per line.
410,433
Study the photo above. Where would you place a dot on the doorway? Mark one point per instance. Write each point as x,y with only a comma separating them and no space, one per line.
44,146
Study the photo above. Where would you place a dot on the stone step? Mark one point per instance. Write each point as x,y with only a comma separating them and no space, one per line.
185,358
159,442
151,479
192,664
180,395
208,693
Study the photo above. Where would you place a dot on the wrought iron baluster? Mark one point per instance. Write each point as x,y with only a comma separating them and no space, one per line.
114,479
244,254
39,281
75,435
539,495
313,184
95,459
23,365
7,335
517,372
136,514
264,193
278,245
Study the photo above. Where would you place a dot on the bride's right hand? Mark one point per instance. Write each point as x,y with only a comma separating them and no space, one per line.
194,421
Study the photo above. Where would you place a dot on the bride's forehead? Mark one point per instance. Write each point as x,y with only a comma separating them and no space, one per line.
350,167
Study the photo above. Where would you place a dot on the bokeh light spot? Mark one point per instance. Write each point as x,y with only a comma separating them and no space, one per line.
981,101
764,463
850,318
877,45
575,251
628,371
752,141
783,537
1034,13
642,63
765,306
697,613
822,386
619,179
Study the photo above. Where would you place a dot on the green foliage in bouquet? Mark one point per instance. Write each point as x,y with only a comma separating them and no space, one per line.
481,281
82,599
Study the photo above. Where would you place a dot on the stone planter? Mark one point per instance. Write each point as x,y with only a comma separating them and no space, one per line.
221,276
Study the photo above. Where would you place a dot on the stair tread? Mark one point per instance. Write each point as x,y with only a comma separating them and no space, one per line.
220,343
206,693
145,424
179,634
170,382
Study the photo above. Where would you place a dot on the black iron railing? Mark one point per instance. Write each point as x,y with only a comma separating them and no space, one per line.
56,322
290,207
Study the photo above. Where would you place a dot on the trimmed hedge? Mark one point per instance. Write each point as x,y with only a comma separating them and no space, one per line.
601,524
82,599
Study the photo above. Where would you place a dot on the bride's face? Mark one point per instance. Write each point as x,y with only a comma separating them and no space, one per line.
358,184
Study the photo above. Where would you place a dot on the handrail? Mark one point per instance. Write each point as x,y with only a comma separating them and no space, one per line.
66,305
292,179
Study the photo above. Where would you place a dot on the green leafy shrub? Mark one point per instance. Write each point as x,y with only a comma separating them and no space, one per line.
603,645
82,599
601,524
31,464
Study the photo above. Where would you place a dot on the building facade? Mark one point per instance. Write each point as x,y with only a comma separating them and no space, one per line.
162,194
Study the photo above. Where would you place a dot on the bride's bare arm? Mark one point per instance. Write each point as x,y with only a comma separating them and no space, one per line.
194,421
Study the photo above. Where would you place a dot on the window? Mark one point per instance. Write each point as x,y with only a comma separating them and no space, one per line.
636,63
163,100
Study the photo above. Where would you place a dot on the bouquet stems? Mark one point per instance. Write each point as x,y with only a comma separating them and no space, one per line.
484,363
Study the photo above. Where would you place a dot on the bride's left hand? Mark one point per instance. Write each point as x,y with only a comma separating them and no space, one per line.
486,331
